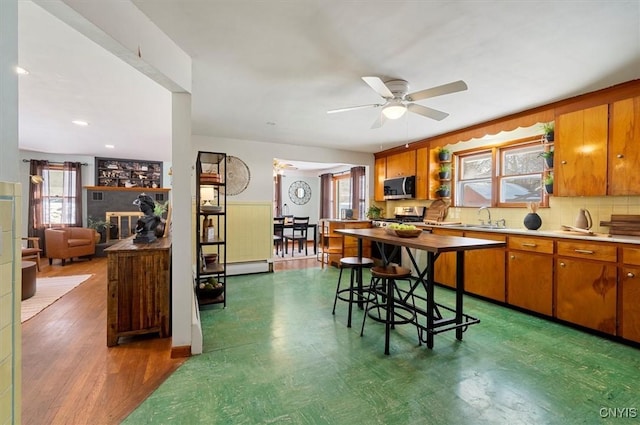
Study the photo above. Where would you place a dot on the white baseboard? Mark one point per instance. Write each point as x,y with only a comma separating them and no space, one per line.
249,267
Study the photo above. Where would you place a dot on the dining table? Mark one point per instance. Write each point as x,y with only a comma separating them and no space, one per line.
430,316
288,224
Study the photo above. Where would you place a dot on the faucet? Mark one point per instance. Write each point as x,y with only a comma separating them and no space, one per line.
488,213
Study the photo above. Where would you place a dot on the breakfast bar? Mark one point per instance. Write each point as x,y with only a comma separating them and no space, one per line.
429,318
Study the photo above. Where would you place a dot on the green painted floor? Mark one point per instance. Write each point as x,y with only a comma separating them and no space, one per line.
276,355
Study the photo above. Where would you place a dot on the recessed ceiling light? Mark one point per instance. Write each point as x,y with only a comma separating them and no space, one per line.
80,123
109,146
21,71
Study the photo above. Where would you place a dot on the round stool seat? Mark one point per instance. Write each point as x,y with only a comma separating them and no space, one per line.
356,262
28,279
390,271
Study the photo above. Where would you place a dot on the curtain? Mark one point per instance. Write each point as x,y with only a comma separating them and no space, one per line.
72,194
36,190
357,191
326,181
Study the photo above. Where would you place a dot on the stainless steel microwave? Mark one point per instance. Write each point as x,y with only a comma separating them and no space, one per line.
400,188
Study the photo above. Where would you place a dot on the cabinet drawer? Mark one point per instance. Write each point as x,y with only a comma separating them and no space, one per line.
631,256
490,236
593,251
541,245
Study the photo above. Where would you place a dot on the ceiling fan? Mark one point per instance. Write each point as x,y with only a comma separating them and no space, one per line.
398,100
279,166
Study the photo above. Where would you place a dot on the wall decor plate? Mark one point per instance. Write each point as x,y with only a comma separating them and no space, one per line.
299,192
238,176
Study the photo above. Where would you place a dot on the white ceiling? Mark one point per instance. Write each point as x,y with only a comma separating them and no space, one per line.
269,71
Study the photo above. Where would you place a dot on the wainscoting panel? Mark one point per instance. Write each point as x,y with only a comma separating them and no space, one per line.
250,231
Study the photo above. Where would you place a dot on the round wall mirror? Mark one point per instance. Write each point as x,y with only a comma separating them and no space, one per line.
299,192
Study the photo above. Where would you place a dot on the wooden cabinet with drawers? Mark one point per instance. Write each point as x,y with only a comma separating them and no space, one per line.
629,295
530,273
484,270
586,284
445,266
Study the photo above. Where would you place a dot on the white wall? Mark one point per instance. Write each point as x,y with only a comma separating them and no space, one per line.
259,158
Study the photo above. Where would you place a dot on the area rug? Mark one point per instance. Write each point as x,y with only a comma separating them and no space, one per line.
48,291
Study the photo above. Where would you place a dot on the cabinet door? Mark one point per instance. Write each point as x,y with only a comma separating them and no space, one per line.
484,269
532,291
401,164
586,293
630,303
422,173
580,163
445,267
624,148
379,176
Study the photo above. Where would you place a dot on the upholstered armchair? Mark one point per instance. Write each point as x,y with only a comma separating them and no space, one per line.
69,242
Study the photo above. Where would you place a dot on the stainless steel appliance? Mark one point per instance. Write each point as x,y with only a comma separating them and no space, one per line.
400,215
400,188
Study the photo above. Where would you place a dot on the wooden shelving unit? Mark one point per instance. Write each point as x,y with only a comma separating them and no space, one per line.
133,173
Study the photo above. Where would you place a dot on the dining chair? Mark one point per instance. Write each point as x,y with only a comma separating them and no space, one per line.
278,235
298,233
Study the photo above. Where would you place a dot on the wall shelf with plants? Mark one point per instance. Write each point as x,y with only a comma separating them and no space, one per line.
444,173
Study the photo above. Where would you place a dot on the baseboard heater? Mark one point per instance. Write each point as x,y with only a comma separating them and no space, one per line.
249,267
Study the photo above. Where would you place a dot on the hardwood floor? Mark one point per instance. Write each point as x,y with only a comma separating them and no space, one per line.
70,376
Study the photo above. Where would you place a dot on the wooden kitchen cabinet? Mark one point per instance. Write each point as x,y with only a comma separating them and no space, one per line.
379,173
580,160
445,266
484,269
530,273
422,173
586,284
629,297
624,147
401,164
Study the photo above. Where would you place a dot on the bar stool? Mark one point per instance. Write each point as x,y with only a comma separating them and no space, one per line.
383,284
356,293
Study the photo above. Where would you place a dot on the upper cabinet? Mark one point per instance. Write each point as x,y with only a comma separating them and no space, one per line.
380,171
401,164
581,152
128,173
624,147
422,173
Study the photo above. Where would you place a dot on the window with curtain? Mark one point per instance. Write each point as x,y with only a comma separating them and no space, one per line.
57,200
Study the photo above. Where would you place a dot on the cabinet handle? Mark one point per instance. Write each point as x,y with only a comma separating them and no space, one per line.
529,244
562,264
513,257
631,274
584,251
563,162
620,155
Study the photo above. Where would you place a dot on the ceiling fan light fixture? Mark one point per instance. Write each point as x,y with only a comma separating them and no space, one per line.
394,110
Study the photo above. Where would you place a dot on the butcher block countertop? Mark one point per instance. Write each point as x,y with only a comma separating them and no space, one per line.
599,237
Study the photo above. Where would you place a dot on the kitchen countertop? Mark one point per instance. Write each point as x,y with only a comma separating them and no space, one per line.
598,237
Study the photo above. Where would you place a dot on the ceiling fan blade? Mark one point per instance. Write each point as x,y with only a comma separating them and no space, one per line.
456,86
427,112
380,87
353,108
379,122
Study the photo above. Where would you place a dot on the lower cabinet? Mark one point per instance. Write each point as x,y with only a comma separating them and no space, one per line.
586,285
334,246
484,269
530,274
629,296
445,266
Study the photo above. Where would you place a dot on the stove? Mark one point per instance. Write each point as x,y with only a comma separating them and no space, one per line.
402,215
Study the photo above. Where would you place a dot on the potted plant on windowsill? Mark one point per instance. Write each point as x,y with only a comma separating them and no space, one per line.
444,154
548,129
548,183
548,157
445,171
443,191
